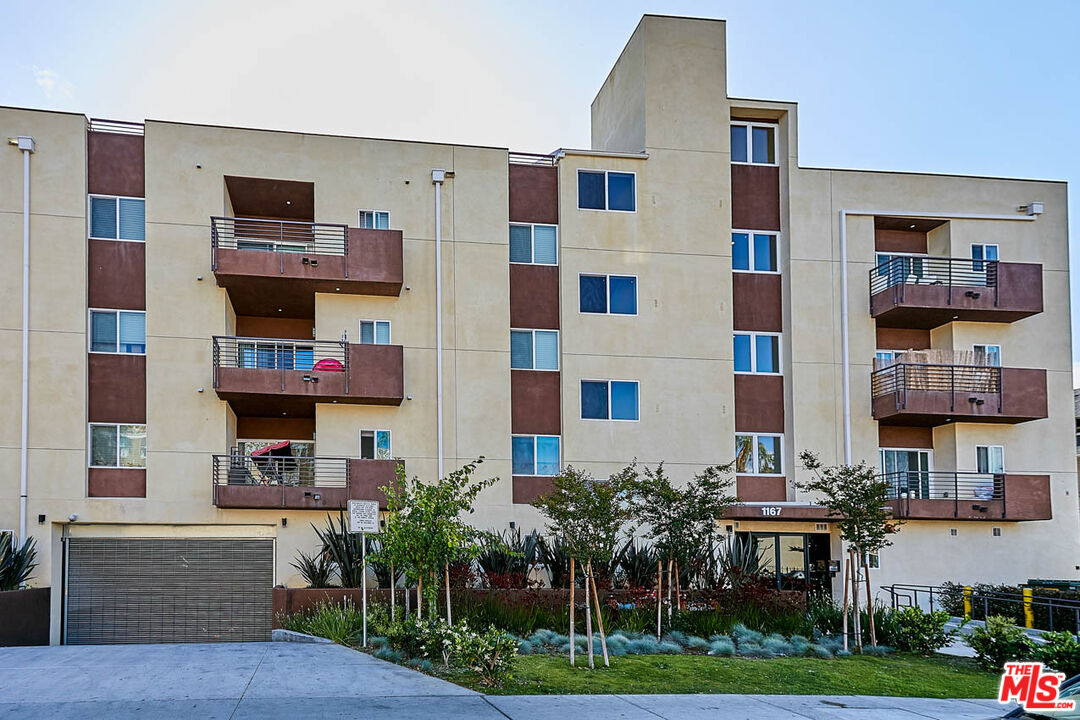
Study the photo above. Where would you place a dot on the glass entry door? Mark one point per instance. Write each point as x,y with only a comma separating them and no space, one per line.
907,471
794,561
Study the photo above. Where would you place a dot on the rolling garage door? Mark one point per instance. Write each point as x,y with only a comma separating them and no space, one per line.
149,590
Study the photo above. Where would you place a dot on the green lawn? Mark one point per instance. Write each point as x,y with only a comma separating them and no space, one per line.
898,675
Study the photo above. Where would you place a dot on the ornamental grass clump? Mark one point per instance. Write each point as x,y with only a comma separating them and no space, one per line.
670,648
777,645
742,634
822,651
643,646
722,646
697,644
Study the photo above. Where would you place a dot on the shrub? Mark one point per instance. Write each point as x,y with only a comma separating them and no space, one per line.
337,622
389,654
721,646
316,570
912,630
999,642
490,655
1061,652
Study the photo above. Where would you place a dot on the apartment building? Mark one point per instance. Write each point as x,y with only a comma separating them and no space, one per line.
231,332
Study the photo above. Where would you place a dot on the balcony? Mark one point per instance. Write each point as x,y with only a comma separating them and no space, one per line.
299,483
923,495
267,265
270,377
929,395
926,292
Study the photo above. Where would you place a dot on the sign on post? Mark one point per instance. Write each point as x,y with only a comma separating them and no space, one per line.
363,516
364,519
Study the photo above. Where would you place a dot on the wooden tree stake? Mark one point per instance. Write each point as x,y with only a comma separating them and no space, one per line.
588,621
847,573
659,594
869,602
420,597
449,618
573,582
599,616
392,593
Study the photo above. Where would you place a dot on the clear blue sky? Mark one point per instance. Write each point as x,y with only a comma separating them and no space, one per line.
984,88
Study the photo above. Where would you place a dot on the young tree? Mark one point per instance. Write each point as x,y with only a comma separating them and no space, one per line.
681,520
858,497
425,531
587,514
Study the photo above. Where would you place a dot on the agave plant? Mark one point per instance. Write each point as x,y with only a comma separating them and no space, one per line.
508,558
637,564
16,563
344,548
316,570
554,556
741,562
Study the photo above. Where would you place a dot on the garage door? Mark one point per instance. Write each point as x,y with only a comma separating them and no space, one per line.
168,590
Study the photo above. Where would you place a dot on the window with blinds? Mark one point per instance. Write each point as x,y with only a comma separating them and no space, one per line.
118,331
374,332
117,218
534,349
534,244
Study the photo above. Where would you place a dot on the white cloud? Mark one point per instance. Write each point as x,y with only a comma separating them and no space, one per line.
52,84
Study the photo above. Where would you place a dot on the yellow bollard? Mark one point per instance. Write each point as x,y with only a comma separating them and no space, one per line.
1029,614
967,602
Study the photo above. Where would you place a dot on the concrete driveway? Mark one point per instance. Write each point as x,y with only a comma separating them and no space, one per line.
291,680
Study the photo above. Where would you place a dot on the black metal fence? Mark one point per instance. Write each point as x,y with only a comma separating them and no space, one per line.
1037,608
902,377
900,271
267,470
307,356
282,236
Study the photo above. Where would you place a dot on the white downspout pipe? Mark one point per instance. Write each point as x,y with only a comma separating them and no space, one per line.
27,146
437,178
845,353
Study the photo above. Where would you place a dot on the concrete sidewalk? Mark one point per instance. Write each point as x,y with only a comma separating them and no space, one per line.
290,680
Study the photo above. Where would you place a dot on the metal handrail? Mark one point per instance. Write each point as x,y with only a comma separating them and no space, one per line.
907,595
901,377
907,485
310,357
280,236
282,472
901,271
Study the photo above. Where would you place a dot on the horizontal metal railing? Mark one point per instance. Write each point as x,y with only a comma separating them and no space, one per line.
902,377
898,272
265,470
119,127
307,356
968,601
944,485
281,236
520,158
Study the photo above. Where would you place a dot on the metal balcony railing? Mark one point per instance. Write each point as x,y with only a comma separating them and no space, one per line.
117,127
521,158
904,377
957,487
307,356
900,272
266,470
281,236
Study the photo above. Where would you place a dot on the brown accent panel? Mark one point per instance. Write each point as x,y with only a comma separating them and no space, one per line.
116,274
759,403
755,197
1027,497
26,617
535,407
757,302
761,488
899,436
275,428
1022,398
534,297
116,388
286,497
267,198
275,327
900,241
366,477
534,194
902,339
376,372
529,487
116,482
803,513
115,164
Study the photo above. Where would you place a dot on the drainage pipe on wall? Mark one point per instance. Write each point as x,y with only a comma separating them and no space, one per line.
845,353
437,178
27,146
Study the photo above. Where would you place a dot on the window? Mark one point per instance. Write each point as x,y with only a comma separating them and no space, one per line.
374,332
375,445
117,446
535,455
888,357
907,472
757,353
117,218
609,400
757,454
981,252
534,349
987,355
118,331
606,190
753,143
753,251
374,219
608,294
990,459
534,244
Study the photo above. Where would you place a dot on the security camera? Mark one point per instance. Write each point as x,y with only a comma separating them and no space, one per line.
73,517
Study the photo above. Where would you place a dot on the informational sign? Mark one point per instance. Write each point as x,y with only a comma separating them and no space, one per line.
363,516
